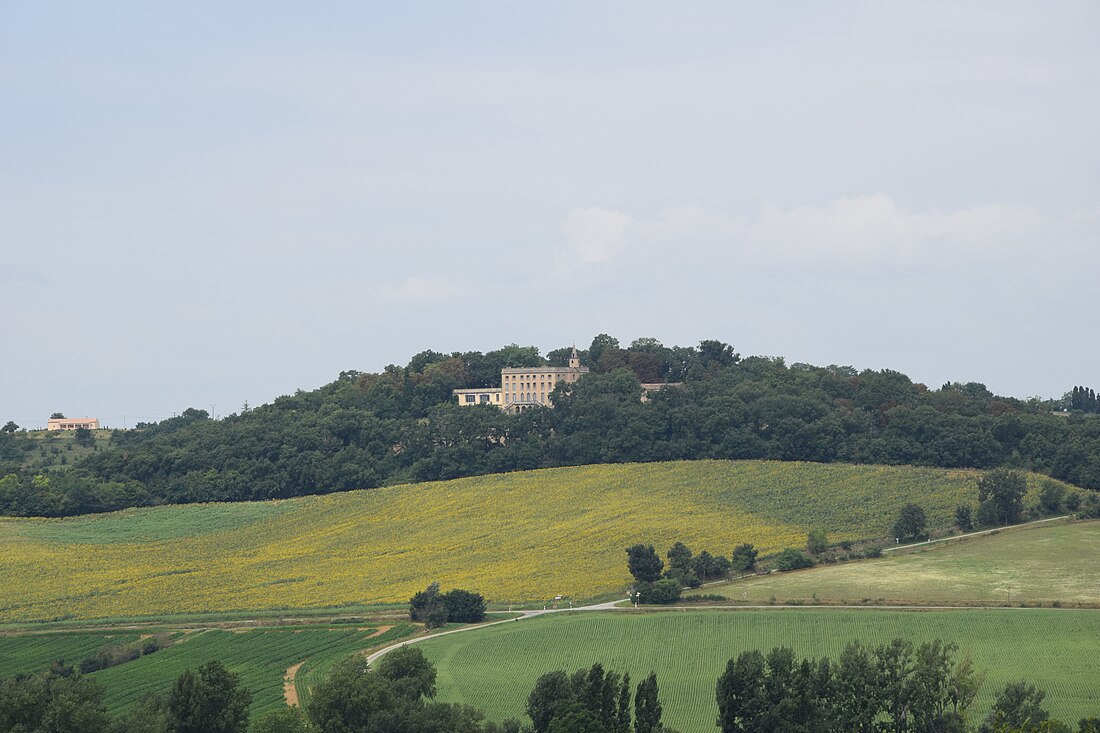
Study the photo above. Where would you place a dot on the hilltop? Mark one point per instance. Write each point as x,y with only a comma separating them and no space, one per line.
366,430
525,536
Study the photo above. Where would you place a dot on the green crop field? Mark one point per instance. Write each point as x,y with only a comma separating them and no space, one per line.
35,652
1039,564
495,668
513,537
260,657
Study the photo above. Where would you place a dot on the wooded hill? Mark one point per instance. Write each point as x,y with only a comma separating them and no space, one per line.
371,429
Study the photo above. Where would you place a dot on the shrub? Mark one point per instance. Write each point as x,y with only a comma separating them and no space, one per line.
660,592
791,559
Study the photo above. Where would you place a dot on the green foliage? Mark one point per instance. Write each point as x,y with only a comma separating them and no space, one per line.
289,720
743,559
464,606
589,701
1051,497
1018,707
1001,496
412,675
366,430
647,706
55,701
209,700
964,519
436,609
817,541
893,687
792,559
911,521
644,563
660,592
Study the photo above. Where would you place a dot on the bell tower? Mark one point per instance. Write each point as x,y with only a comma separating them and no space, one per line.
574,360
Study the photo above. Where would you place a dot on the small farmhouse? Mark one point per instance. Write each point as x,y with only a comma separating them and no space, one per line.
72,423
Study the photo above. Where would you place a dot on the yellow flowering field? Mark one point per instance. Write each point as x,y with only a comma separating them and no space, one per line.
513,537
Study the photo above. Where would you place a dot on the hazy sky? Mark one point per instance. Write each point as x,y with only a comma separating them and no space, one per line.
205,203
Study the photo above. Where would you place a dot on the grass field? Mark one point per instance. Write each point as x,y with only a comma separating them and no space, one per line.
1040,564
261,657
495,668
513,537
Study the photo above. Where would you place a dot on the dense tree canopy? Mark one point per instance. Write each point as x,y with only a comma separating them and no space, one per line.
401,424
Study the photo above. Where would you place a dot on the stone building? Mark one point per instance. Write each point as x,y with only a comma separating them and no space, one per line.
522,388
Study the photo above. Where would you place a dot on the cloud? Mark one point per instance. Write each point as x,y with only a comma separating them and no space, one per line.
868,232
594,235
422,291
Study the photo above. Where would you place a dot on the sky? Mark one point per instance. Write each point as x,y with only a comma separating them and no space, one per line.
203,204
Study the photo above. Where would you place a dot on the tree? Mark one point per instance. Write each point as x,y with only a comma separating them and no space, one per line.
647,706
740,694
963,518
817,541
84,437
55,701
209,700
412,675
1018,707
1051,497
911,521
679,557
429,607
744,558
349,697
464,606
707,566
644,563
57,416
551,690
1003,491
9,427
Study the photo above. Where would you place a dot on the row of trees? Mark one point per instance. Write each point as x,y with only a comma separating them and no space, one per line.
594,701
654,584
890,688
1084,399
401,424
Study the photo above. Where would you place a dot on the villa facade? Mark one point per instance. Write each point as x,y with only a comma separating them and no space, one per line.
522,388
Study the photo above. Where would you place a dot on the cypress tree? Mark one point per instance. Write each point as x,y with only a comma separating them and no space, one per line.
647,706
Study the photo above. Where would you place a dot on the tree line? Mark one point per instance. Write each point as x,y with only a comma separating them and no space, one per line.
401,424
889,688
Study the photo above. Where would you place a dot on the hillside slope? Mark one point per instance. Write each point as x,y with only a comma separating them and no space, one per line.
1038,564
514,537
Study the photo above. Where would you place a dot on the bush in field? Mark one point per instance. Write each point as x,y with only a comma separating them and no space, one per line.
661,592
791,559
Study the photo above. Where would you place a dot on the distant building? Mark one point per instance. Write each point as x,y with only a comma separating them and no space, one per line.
72,423
522,388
